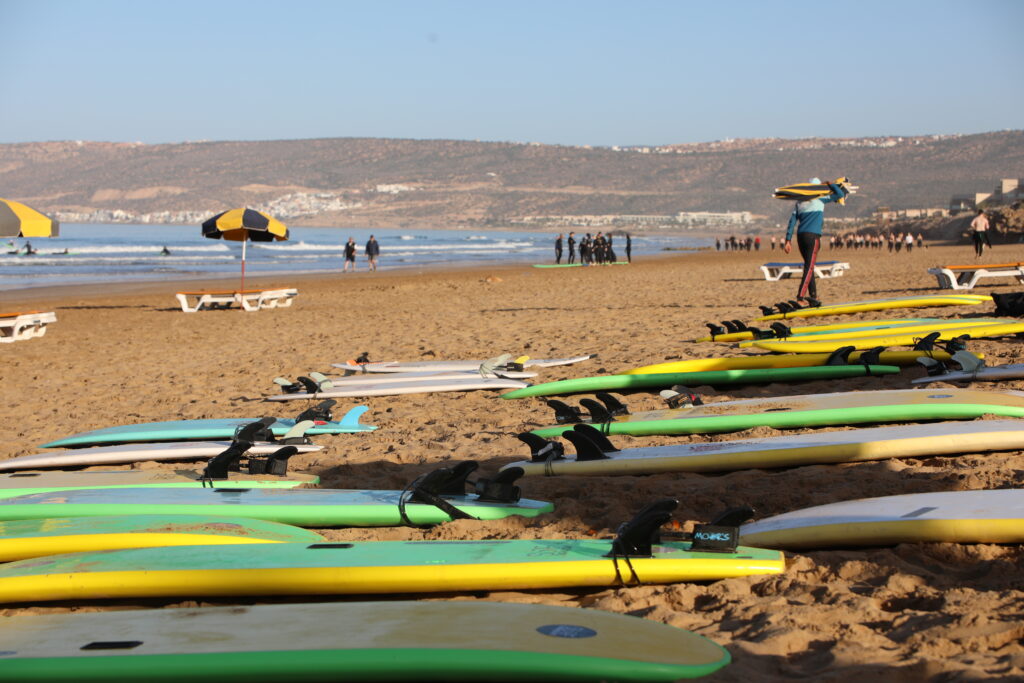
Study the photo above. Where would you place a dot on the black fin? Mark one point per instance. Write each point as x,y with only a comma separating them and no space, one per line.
812,303
447,481
730,326
308,384
318,413
501,488
256,431
637,537
225,461
276,463
598,413
541,449
716,330
597,437
927,343
767,310
564,413
797,305
614,405
723,533
957,344
734,516
585,448
740,325
781,330
840,356
872,356
783,307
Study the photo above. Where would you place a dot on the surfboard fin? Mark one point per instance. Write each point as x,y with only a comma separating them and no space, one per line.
585,448
872,356
957,344
430,487
321,412
722,535
968,361
598,412
501,488
564,413
767,310
933,367
636,537
541,449
716,330
256,431
276,463
758,333
596,437
296,434
224,462
781,330
840,356
927,343
288,386
614,405
730,326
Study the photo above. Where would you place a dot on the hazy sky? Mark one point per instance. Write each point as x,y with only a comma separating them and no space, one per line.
561,72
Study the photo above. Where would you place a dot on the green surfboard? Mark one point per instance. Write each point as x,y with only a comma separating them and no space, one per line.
301,507
694,379
358,641
28,538
814,410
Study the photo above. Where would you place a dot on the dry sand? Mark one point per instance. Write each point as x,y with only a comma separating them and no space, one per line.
912,612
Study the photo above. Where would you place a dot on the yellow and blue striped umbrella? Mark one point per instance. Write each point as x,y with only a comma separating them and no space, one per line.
18,220
243,225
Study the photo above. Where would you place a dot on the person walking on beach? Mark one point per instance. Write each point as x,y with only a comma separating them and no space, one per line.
350,255
558,249
808,218
372,252
909,241
979,227
629,248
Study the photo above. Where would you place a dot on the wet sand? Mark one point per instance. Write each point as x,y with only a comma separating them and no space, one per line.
127,353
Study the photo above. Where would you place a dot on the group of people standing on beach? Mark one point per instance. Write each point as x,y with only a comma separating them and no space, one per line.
593,250
372,251
894,241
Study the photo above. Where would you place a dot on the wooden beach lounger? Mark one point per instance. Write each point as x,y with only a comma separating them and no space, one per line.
965,277
248,299
823,269
18,326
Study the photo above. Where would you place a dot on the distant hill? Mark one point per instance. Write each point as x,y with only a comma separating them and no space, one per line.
445,183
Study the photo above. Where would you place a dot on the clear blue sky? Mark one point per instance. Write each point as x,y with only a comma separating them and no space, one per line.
560,72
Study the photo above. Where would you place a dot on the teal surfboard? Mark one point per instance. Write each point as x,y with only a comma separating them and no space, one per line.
356,641
367,567
814,410
695,379
202,430
301,507
22,539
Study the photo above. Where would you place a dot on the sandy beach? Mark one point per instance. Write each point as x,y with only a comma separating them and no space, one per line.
127,353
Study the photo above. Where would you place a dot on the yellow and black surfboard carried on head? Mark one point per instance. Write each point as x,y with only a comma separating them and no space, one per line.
804,191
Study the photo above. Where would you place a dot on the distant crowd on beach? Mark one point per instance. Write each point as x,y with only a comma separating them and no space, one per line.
894,241
595,250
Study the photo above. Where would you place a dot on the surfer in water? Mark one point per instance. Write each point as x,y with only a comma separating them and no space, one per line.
165,251
808,217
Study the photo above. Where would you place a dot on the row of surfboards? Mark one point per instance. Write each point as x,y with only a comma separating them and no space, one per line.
259,555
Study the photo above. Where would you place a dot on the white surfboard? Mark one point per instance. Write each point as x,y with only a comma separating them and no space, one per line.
452,365
391,377
855,445
424,385
137,452
990,516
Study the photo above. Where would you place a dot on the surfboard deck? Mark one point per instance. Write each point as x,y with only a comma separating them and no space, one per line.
282,569
300,507
695,379
400,640
202,430
813,410
23,539
788,360
927,301
26,483
855,445
423,385
993,516
138,452
454,365
895,339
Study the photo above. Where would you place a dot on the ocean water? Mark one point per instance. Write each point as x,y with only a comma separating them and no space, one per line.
117,253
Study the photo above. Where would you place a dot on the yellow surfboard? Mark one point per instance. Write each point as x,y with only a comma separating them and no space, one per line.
919,330
827,346
789,360
884,304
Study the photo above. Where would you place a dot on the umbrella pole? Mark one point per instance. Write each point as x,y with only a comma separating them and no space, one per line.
243,265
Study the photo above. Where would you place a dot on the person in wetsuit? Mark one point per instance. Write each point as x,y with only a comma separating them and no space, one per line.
558,248
808,217
572,248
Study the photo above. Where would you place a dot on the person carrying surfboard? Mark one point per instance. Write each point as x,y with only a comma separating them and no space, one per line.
808,217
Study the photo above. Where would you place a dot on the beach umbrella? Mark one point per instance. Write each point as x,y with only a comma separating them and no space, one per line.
243,225
18,220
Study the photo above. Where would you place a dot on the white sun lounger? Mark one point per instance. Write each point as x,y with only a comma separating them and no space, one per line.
966,277
249,299
822,269
18,326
